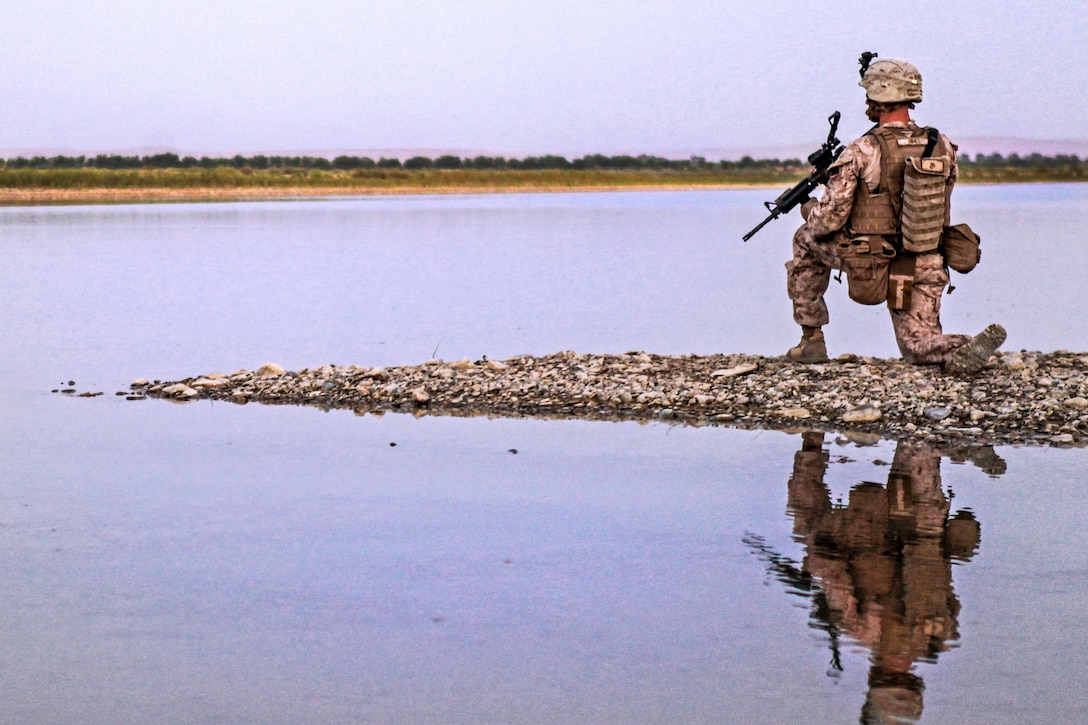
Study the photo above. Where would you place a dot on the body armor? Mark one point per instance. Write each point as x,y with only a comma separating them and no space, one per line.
910,204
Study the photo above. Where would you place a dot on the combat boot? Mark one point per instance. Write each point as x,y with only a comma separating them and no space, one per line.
811,349
971,357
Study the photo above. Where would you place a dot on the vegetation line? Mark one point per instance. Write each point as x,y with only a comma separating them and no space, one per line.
166,176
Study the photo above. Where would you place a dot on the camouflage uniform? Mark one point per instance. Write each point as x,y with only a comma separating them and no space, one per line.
918,329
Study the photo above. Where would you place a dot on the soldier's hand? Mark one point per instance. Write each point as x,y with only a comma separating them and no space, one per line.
806,208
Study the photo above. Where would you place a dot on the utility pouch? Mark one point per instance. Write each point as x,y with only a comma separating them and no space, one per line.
901,282
960,247
865,261
925,183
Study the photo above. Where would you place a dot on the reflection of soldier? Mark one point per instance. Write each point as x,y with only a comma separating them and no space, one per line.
882,565
888,195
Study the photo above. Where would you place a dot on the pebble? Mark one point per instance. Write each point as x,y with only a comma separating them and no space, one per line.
1023,397
862,414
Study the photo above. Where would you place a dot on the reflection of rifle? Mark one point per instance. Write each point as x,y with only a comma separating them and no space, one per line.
799,583
821,161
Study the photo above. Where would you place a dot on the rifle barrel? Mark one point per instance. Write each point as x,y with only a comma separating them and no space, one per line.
773,215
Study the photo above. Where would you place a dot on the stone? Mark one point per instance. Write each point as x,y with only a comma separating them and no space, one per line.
862,414
270,369
733,372
939,413
1078,403
209,383
140,383
796,413
419,395
179,390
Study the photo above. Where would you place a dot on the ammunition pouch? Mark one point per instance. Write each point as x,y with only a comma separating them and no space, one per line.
866,261
873,213
960,248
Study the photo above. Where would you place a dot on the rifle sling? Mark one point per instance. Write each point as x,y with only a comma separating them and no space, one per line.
933,134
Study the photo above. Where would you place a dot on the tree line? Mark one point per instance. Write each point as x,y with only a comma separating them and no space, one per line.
351,163
592,161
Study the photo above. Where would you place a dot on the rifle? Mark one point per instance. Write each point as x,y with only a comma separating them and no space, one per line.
821,161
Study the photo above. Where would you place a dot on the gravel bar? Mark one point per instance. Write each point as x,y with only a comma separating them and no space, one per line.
1019,398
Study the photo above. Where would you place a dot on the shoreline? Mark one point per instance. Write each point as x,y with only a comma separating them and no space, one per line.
1029,398
33,197
154,195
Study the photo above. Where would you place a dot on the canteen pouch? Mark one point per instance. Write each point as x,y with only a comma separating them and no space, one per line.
865,261
925,182
901,282
960,247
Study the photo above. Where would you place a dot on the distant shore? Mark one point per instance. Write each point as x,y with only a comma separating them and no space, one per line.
30,197
1019,398
103,186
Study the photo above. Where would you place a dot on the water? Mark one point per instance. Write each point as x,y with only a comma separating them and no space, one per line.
217,563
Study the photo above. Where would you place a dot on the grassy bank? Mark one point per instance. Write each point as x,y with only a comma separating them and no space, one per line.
30,185
232,178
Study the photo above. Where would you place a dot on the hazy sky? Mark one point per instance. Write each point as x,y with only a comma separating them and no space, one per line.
521,77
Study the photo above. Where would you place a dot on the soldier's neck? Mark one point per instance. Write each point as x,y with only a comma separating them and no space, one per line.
896,115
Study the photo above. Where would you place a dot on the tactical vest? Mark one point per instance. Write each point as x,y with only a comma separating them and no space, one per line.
910,204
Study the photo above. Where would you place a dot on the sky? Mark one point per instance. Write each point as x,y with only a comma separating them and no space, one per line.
517,78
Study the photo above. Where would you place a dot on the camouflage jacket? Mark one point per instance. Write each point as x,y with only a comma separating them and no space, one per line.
860,161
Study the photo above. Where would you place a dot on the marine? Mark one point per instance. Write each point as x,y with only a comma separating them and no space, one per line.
881,220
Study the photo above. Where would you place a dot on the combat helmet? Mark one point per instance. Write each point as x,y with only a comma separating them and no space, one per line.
892,81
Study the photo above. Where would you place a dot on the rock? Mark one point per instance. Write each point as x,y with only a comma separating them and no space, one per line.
419,395
796,413
1078,402
496,365
862,414
209,383
140,383
735,371
270,369
937,413
179,390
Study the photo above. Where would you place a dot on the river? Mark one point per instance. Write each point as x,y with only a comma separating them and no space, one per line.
219,563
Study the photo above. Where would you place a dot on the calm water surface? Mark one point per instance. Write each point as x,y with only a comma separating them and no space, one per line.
217,563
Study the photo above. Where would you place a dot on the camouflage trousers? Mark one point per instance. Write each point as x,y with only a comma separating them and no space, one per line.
917,330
